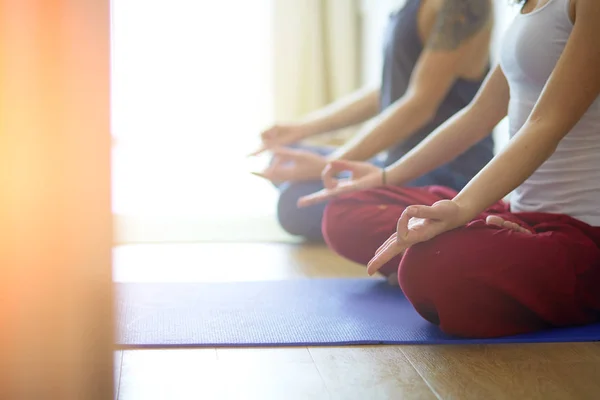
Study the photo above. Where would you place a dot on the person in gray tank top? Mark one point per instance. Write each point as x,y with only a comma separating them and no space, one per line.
469,262
433,66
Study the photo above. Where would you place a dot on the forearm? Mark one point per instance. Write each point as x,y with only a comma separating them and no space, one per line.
350,110
571,89
450,140
520,159
392,127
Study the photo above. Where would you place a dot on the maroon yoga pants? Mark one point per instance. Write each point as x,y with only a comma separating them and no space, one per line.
479,280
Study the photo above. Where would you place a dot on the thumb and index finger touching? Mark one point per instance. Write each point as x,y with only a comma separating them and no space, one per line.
332,169
333,187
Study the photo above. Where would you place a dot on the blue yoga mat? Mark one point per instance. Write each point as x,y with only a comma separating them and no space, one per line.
287,313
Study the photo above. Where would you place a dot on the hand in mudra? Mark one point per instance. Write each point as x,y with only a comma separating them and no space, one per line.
363,176
293,165
280,135
422,223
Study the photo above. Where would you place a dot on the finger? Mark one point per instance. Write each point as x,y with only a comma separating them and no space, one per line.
330,182
430,212
315,198
334,168
326,194
318,197
338,166
494,220
512,226
402,226
386,243
287,154
328,177
274,172
516,227
392,250
258,151
260,175
502,223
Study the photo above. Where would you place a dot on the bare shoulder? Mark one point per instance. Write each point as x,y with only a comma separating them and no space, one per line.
582,7
458,21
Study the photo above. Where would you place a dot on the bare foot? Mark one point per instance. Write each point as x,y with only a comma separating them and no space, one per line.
393,279
498,221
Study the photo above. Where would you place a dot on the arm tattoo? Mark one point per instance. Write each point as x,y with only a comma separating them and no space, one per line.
457,21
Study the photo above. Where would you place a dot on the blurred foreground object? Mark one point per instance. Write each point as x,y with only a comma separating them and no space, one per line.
56,311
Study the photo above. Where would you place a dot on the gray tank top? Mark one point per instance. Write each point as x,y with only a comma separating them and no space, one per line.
402,49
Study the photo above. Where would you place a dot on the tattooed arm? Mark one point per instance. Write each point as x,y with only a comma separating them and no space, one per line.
460,34
457,22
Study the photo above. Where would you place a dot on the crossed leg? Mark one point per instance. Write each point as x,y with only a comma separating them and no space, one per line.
355,225
502,274
487,280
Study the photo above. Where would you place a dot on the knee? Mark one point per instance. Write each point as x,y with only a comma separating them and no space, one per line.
354,230
452,282
437,279
339,231
417,278
305,222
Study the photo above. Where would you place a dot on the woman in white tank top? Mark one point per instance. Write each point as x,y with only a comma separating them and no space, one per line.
468,262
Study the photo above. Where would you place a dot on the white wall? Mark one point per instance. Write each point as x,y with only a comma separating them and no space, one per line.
375,14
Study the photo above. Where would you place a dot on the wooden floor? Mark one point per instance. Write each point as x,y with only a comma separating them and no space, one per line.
542,371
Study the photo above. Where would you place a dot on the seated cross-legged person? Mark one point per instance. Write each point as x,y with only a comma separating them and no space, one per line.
421,87
467,261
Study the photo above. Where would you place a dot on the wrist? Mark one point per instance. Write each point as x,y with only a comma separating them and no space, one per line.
467,210
395,176
338,154
331,157
308,128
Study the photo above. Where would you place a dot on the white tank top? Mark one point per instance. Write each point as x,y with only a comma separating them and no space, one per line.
569,181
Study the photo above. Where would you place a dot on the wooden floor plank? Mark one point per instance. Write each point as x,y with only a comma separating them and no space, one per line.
264,355
167,374
536,371
549,371
369,372
201,374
